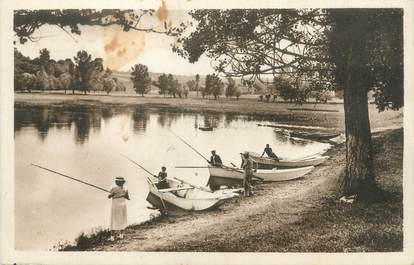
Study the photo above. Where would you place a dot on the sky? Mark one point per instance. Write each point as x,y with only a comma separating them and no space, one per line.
120,50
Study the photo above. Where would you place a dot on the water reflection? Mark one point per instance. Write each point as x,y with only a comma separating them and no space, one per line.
140,117
86,141
283,137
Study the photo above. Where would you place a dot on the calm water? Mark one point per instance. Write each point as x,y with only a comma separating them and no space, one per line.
87,143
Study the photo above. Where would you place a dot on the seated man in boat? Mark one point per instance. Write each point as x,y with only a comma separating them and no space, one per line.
215,159
162,179
268,150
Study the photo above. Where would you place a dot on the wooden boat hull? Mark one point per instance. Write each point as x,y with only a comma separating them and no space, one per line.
313,136
229,177
267,162
190,199
206,129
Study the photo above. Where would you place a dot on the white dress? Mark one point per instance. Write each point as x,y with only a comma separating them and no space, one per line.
118,208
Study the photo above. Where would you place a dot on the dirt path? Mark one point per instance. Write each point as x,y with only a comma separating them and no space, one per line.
274,204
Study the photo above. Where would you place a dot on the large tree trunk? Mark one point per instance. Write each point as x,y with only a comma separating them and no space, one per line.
359,174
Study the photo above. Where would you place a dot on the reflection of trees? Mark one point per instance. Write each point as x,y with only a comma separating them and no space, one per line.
140,117
107,113
229,118
281,136
45,117
212,120
166,118
84,119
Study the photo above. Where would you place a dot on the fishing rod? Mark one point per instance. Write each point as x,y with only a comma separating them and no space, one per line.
138,165
150,181
189,145
75,179
192,167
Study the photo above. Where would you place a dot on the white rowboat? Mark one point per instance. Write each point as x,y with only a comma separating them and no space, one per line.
185,196
267,162
234,176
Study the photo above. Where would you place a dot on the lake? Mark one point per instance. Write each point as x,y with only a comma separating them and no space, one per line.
88,143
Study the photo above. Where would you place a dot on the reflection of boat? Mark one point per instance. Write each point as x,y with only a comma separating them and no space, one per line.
186,197
205,128
234,176
318,136
267,162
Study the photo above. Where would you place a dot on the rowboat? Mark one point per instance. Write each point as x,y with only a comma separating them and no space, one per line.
205,128
185,196
232,176
267,162
318,136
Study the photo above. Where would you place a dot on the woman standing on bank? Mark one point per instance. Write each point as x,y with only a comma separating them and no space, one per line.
118,209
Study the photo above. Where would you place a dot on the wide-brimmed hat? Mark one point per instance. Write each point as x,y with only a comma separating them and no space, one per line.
120,179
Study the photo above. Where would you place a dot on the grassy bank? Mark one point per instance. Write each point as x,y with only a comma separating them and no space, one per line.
295,216
333,226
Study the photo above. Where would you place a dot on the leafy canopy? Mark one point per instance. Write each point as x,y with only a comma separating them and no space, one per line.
298,43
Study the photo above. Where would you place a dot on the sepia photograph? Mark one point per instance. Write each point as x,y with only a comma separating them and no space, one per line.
207,129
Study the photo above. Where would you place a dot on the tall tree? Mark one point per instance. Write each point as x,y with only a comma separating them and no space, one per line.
231,87
82,65
141,79
85,70
213,86
44,56
356,50
172,85
197,79
191,85
163,84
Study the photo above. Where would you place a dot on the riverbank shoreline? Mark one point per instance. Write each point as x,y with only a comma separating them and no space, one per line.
304,215
330,115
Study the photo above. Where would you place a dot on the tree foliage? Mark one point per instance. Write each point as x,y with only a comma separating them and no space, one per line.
191,85
141,79
86,70
163,84
253,43
213,86
231,87
26,22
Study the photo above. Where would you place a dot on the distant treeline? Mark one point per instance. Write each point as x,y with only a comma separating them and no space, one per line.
82,74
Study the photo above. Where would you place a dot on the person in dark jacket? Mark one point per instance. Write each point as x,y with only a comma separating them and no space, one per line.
269,152
215,159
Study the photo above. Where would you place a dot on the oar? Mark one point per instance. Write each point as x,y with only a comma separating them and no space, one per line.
194,186
75,179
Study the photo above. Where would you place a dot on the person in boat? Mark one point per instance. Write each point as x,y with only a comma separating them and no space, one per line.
215,159
119,195
162,178
269,152
248,166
